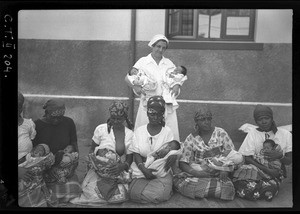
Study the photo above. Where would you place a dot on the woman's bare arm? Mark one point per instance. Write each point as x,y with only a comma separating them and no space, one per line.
187,168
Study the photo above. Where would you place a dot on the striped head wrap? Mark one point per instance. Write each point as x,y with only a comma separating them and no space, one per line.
55,107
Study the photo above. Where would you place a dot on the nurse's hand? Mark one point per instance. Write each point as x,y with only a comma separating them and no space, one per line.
138,90
175,90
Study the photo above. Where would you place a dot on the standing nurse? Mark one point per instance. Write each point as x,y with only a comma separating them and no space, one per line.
155,66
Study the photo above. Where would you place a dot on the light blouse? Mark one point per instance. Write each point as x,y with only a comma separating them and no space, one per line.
26,133
107,140
143,143
253,142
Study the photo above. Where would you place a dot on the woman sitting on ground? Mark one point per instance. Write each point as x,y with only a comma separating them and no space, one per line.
58,131
109,160
147,186
196,180
255,180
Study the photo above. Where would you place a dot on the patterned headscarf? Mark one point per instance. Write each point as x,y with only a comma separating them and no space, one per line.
55,107
157,38
203,112
119,108
261,110
156,104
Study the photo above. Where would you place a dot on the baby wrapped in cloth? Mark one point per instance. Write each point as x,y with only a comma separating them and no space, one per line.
100,161
157,159
65,163
227,160
144,79
38,160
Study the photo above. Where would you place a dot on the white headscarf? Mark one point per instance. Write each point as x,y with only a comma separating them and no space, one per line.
156,38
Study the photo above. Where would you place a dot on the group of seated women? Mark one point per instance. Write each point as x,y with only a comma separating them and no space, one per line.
146,165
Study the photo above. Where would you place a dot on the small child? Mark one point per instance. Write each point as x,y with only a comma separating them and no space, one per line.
269,145
173,76
143,79
26,131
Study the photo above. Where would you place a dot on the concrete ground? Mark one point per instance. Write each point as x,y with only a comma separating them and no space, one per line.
284,199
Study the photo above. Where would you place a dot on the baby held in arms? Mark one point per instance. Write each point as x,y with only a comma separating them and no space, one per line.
227,160
157,160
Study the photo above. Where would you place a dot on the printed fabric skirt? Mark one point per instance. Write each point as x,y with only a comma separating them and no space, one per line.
251,183
97,190
193,187
142,190
37,195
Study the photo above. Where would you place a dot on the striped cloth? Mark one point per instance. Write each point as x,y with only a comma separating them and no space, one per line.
64,192
157,190
193,187
40,196
91,195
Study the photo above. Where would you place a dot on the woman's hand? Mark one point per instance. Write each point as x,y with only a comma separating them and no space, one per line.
175,90
272,172
116,169
25,174
273,155
224,176
202,174
171,160
148,172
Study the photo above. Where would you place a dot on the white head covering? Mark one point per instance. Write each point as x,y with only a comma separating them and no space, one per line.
156,38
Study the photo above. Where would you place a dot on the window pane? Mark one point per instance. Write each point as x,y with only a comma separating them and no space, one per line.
203,25
173,11
238,26
215,26
238,12
174,23
187,22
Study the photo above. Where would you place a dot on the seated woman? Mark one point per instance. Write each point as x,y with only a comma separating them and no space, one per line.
254,180
109,158
205,143
58,131
32,190
146,187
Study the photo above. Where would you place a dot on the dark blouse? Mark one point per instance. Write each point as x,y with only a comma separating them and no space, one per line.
57,137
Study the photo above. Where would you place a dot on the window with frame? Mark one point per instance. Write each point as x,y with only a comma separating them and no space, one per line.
210,24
